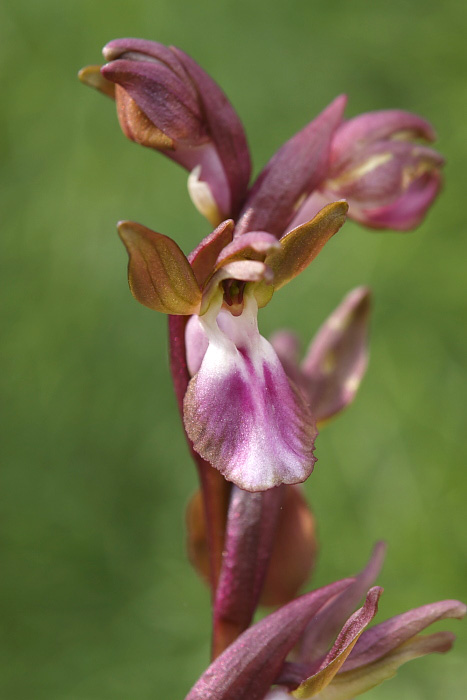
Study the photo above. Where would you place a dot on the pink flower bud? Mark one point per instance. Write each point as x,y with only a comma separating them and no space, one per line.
167,102
377,165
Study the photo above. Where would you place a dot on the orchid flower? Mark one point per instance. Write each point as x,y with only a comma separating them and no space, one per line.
329,377
262,664
376,164
165,101
241,412
250,408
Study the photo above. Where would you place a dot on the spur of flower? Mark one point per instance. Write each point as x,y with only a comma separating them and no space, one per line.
241,411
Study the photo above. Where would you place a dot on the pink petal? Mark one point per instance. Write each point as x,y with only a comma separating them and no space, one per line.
408,211
198,122
293,172
346,685
241,412
248,667
380,173
225,128
163,97
375,126
144,50
319,635
342,647
254,245
215,489
311,206
204,256
383,638
338,356
196,342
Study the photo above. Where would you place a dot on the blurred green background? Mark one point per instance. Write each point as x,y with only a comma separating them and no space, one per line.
97,599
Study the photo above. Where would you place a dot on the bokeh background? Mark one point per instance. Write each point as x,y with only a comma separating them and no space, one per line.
97,599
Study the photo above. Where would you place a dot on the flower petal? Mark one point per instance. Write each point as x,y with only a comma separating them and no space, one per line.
166,99
300,246
144,50
171,104
388,635
278,694
375,126
241,412
159,274
225,129
196,342
204,256
347,685
318,637
342,647
254,245
338,356
382,172
215,489
92,77
293,172
202,197
249,666
406,212
245,271
137,126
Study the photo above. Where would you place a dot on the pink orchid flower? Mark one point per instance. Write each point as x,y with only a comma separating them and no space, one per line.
167,102
315,647
380,165
241,411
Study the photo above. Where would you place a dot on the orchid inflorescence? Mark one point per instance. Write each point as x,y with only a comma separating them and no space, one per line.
250,408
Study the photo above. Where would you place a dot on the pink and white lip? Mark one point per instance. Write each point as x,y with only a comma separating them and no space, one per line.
241,411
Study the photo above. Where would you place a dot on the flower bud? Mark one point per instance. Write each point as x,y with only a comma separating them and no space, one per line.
167,102
377,165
